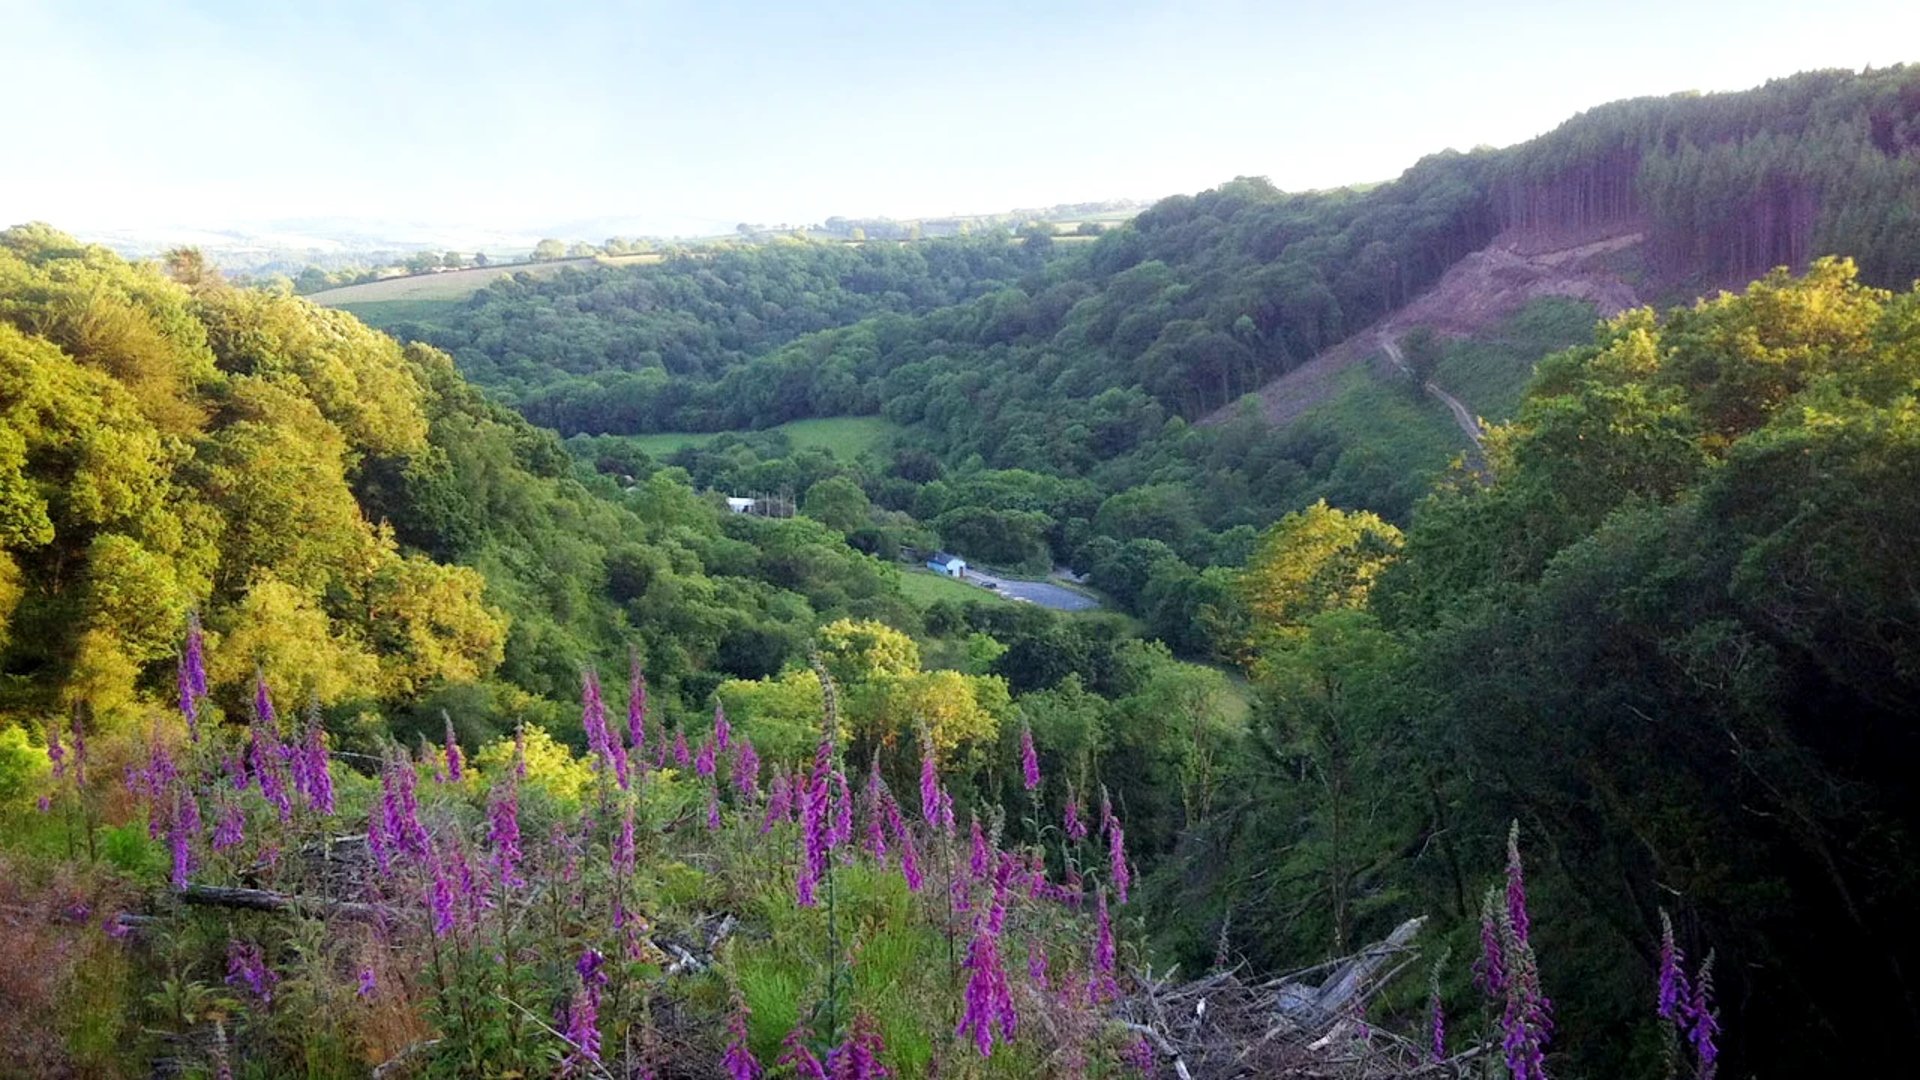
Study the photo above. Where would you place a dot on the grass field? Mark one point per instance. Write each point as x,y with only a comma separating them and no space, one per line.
1489,375
458,284
381,314
923,587
845,437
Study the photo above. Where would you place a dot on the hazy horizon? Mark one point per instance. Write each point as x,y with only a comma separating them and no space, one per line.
684,119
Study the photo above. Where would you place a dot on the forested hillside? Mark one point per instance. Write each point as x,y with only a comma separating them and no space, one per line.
352,719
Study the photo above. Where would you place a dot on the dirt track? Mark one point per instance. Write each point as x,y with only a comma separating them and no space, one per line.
1474,294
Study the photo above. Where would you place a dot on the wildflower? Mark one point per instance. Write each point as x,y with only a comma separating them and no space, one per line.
713,806
842,830
1070,819
583,1018
977,858
43,804
813,840
115,927
230,828
503,835
623,857
988,1001
1436,1014
193,676
1490,973
440,900
247,967
746,769
235,766
319,777
368,984
1117,860
722,731
876,799
1508,962
680,754
910,864
1037,963
738,1060
929,785
265,752
401,807
1102,986
79,741
779,801
1705,1019
636,706
1673,999
859,1057
703,763
946,813
1029,760
795,1053
1140,1054
454,760
186,822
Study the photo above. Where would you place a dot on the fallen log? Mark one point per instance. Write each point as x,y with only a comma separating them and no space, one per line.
267,900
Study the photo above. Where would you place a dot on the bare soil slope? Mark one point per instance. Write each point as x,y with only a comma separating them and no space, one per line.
1477,292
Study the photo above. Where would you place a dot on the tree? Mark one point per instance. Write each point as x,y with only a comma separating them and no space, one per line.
1317,560
480,258
837,503
453,260
549,249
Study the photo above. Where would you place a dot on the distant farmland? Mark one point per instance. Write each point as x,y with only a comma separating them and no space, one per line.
457,284
845,437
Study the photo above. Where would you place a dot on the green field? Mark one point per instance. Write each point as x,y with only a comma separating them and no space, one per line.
458,284
845,437
382,314
1489,374
923,587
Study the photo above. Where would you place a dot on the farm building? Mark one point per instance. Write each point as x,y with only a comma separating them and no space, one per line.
951,565
739,505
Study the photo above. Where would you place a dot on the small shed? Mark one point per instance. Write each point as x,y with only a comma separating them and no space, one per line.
739,505
951,565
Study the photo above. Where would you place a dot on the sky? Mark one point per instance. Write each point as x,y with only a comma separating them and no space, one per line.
688,117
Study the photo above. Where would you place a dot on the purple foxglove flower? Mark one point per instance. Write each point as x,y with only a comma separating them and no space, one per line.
401,807
779,801
1673,997
319,777
946,813
520,751
583,1019
369,985
805,1065
980,858
1516,888
1037,963
1029,760
842,830
1490,971
680,754
988,1000
230,828
876,799
1705,1019
738,1061
713,806
1141,1056
56,753
1106,810
235,766
1075,828
186,822
43,804
247,967
454,760
1102,987
746,769
813,841
192,676
1436,1026
636,706
623,853
722,731
378,842
859,1057
503,835
440,900
1117,860
703,764
929,786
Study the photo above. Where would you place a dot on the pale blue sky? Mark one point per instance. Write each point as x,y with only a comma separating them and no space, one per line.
693,115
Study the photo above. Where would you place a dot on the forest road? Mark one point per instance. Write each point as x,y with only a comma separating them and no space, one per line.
1462,416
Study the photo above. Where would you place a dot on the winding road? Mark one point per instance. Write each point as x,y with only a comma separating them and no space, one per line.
1462,416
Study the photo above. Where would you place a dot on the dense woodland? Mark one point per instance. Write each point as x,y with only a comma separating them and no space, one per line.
1662,643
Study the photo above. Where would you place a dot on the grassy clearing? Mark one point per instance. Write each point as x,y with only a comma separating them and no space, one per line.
1403,433
845,437
459,284
381,314
923,587
1489,374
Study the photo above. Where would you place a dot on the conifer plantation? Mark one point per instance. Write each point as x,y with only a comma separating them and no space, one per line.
1038,652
